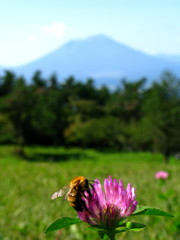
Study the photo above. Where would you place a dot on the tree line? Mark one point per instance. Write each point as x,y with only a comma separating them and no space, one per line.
132,117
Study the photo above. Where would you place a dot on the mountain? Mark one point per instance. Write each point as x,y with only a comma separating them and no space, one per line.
101,58
170,57
1,69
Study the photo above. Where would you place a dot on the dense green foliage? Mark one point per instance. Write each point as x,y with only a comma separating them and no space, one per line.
131,117
27,185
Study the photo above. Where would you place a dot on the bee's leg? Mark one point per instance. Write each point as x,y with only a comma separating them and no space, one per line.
84,206
92,187
93,181
88,191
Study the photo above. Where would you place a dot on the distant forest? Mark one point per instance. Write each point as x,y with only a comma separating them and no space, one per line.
132,117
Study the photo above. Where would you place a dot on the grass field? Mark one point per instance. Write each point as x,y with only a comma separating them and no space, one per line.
27,183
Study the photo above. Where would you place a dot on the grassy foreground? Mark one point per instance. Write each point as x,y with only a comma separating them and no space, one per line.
27,183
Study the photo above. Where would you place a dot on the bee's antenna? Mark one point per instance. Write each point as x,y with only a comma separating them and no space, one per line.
93,181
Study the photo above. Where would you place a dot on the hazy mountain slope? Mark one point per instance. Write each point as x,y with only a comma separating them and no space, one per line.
170,57
101,58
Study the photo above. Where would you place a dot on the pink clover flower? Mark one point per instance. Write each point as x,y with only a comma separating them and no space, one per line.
161,175
108,206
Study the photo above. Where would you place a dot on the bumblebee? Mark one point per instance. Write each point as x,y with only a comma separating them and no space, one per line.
74,192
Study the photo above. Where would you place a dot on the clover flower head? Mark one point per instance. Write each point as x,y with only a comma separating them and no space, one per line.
161,175
107,207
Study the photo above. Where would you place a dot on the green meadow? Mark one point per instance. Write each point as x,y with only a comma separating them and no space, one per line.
27,183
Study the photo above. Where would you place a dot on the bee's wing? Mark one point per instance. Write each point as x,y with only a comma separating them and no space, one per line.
60,192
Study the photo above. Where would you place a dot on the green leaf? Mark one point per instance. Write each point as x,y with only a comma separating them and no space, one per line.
61,223
129,226
103,235
145,210
121,229
134,226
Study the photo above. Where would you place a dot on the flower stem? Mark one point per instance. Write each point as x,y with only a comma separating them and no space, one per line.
112,236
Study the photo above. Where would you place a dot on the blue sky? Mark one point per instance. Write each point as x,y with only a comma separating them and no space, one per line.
30,29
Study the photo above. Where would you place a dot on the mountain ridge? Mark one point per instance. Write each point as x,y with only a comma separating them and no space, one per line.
101,58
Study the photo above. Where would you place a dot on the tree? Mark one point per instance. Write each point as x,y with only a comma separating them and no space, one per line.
19,105
37,80
161,113
7,83
99,133
53,82
7,131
